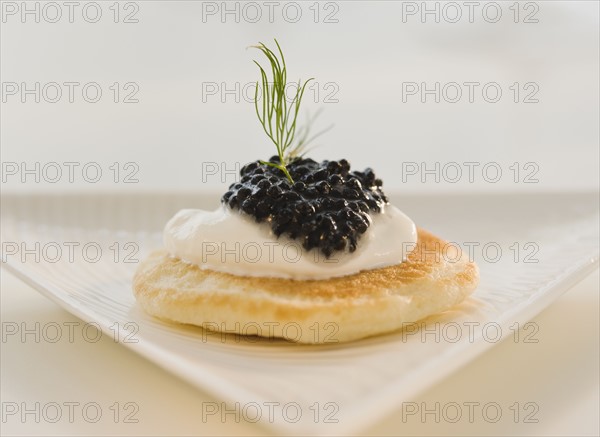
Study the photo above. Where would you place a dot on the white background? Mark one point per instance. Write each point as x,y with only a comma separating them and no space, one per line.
176,130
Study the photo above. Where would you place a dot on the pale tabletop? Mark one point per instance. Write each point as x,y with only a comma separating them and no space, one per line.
85,387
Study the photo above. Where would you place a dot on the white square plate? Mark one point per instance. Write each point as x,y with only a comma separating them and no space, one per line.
530,249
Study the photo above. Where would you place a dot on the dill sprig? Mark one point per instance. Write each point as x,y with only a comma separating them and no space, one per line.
278,116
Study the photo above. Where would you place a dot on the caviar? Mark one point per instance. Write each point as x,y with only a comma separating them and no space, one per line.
327,207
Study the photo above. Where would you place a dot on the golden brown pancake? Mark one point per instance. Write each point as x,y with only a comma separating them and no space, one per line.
435,277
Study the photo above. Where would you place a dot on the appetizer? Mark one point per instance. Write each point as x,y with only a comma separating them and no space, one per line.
308,251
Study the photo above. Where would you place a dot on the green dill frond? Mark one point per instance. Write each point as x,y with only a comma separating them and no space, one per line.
277,116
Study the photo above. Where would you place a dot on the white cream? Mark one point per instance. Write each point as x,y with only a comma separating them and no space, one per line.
228,241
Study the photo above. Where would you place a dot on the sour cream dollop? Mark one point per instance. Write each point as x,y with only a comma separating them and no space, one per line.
226,240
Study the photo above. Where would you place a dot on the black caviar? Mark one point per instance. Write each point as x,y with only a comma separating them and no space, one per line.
327,207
